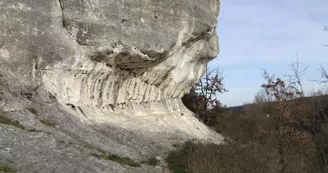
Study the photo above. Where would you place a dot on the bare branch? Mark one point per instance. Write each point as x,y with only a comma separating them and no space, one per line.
323,77
209,86
324,74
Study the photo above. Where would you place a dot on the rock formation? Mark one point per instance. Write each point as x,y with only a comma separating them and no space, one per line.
110,74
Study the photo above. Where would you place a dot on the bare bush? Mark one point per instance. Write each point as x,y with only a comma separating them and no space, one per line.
299,125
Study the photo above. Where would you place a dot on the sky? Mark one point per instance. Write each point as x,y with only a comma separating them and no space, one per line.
269,34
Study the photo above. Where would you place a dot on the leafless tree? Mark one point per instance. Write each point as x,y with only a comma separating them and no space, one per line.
203,95
209,86
296,77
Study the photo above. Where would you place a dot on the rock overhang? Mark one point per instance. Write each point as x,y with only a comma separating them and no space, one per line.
108,59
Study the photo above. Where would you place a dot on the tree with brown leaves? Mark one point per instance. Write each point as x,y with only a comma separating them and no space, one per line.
203,94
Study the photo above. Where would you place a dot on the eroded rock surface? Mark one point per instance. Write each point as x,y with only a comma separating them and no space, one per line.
109,74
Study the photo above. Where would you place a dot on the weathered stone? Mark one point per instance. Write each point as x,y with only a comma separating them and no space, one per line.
111,74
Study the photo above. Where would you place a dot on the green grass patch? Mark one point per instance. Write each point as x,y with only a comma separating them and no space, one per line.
48,123
7,169
116,158
7,121
174,166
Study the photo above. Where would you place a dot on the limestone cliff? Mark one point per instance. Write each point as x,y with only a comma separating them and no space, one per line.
109,74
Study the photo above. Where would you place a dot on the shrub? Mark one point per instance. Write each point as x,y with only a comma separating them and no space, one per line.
253,157
173,163
299,123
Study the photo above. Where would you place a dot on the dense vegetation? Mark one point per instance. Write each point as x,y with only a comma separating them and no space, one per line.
283,131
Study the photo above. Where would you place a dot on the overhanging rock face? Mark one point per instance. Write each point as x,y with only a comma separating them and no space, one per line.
123,63
137,56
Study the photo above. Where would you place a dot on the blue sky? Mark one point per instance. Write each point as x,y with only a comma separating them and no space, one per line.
267,34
